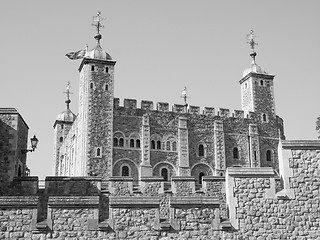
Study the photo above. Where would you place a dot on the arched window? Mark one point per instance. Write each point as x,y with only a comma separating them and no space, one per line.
115,142
158,145
164,174
121,142
98,152
268,154
125,171
174,146
153,144
201,175
168,146
107,69
137,143
261,82
235,153
201,150
92,68
264,117
132,143
62,126
61,139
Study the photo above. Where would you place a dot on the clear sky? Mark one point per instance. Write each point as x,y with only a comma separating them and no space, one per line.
160,47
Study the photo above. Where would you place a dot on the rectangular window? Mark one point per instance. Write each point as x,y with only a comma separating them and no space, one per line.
92,68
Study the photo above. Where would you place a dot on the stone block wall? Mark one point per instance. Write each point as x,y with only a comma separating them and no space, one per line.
249,203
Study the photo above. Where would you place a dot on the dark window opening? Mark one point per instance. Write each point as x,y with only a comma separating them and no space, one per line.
115,142
91,85
261,82
268,155
235,153
221,174
98,152
264,117
132,143
19,171
107,69
121,142
164,174
153,144
125,171
137,143
61,139
92,68
201,175
62,126
201,150
107,87
255,155
158,145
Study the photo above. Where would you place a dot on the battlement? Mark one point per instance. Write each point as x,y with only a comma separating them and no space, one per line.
131,105
219,207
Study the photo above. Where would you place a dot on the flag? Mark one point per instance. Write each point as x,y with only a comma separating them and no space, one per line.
76,55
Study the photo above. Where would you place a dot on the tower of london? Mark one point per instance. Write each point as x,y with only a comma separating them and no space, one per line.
153,139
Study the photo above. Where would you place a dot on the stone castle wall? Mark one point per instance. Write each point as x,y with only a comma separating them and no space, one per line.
249,203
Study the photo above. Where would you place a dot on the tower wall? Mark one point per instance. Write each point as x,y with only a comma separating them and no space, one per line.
96,117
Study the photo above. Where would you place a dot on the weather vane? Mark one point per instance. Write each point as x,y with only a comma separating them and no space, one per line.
97,22
68,94
250,37
184,96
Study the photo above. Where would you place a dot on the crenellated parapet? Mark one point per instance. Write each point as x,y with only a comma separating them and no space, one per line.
246,202
130,105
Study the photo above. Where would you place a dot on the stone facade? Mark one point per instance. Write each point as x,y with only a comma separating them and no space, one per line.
248,203
13,139
109,139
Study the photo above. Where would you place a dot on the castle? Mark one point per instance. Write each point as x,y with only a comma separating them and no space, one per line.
106,139
138,173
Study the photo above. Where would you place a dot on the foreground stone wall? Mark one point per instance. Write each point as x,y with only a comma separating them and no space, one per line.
249,203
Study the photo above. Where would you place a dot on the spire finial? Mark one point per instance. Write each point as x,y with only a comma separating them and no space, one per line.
96,21
250,37
67,92
184,96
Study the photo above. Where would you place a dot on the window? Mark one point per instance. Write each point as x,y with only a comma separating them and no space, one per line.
201,175
62,126
19,171
264,117
107,87
164,174
125,171
132,143
235,153
201,150
115,142
174,146
268,155
137,143
261,82
245,85
107,69
255,155
98,152
153,144
61,139
91,85
168,146
158,145
121,142
92,68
